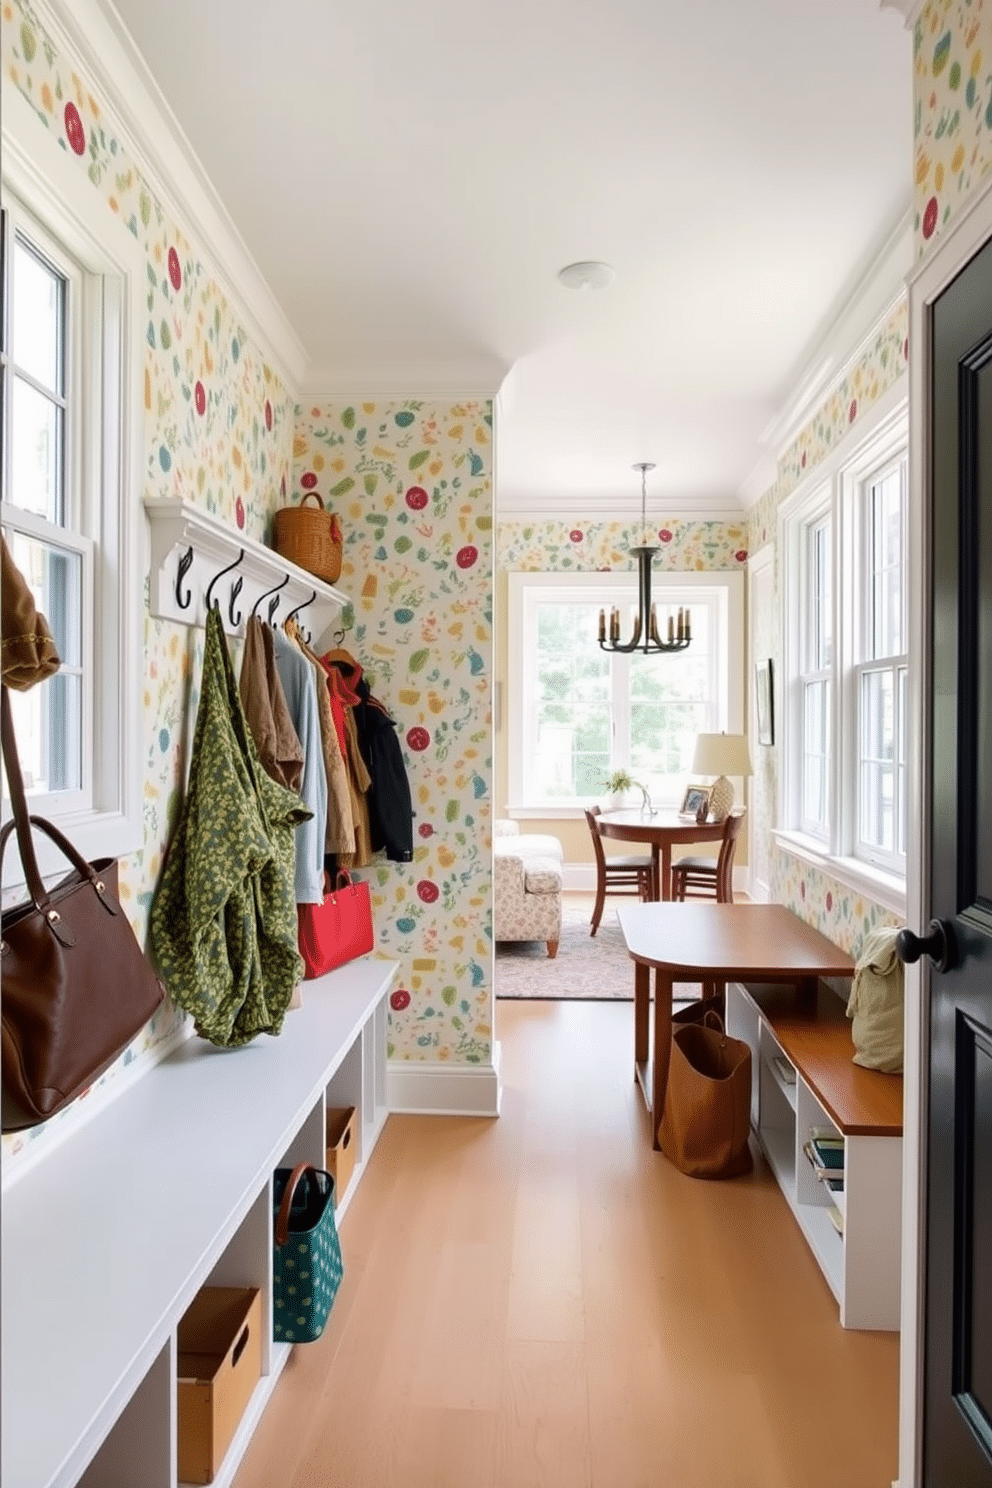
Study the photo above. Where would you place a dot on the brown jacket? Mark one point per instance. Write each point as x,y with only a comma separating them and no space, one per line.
264,701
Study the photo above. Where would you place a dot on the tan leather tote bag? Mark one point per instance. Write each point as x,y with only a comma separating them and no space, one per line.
707,1119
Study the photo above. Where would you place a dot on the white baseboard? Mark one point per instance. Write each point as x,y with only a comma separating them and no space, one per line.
444,1090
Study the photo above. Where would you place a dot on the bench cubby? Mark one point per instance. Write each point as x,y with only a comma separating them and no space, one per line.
804,1077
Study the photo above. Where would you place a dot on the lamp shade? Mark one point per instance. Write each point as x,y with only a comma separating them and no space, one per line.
721,755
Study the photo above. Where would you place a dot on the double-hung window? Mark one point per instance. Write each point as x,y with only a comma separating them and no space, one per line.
71,435
815,680
578,713
844,567
43,331
880,665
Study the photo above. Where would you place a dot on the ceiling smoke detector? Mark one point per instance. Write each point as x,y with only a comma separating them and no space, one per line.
587,275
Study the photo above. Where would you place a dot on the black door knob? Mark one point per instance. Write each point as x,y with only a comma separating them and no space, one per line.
938,943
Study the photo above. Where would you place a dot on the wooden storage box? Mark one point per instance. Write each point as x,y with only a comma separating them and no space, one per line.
341,1148
219,1343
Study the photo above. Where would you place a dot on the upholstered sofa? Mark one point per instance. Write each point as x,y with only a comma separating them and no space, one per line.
527,879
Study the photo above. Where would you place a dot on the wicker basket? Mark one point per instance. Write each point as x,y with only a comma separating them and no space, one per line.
310,537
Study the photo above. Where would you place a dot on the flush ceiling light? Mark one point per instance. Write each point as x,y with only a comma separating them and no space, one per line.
589,275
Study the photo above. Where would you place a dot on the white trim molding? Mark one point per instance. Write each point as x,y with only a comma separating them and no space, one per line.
422,1089
43,175
140,115
878,293
910,10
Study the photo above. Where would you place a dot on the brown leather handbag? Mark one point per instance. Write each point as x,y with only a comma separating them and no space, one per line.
77,987
707,1119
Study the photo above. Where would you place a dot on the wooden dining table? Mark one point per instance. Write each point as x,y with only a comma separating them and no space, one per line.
662,831
717,943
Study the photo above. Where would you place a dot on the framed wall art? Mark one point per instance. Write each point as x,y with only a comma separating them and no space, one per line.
765,701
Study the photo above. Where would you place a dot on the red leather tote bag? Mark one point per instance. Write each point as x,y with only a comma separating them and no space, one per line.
337,930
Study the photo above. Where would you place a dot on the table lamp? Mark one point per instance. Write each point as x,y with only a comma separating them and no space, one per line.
721,755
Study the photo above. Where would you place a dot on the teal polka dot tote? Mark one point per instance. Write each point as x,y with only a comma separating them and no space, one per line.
306,1255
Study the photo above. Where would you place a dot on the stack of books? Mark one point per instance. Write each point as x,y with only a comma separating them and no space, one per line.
825,1151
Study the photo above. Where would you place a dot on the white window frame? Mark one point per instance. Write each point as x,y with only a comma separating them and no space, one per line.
107,471
837,486
874,459
599,590
809,670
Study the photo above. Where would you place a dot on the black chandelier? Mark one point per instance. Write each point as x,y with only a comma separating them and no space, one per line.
646,637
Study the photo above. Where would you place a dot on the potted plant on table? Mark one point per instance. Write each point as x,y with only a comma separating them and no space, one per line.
616,787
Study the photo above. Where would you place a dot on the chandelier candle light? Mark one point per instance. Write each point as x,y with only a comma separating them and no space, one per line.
646,637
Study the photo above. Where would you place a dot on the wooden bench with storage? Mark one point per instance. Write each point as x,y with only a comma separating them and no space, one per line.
110,1237
804,1080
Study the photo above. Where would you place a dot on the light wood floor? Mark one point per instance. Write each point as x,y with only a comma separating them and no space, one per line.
542,1300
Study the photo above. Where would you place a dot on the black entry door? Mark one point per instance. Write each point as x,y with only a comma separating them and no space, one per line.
957,1414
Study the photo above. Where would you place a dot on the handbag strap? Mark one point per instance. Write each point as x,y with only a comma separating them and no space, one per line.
282,1218
348,882
22,824
19,803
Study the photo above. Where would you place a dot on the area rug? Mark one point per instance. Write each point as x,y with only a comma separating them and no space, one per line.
587,968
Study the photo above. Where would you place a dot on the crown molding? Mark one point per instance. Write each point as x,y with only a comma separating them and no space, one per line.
876,294
480,377
759,479
140,115
908,9
590,510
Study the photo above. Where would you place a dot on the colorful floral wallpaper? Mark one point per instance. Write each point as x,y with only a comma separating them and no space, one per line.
218,431
843,916
411,483
877,368
952,114
580,545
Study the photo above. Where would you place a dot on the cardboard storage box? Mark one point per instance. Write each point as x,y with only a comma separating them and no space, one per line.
341,1148
219,1345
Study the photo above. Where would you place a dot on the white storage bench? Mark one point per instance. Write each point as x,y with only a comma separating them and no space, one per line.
108,1238
804,1076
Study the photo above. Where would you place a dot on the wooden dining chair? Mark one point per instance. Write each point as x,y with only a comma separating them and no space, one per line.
710,878
629,873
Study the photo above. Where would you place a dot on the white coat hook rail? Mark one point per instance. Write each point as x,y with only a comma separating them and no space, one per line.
191,549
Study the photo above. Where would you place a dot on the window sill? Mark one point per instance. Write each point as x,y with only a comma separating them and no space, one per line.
884,888
577,813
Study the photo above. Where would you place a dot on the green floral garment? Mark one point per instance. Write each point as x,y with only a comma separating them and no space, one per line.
223,921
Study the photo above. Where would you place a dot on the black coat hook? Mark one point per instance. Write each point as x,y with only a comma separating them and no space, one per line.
220,574
185,561
273,603
235,591
293,613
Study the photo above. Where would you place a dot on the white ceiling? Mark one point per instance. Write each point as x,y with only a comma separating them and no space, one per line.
409,178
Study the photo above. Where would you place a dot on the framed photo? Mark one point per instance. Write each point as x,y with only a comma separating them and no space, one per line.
696,800
765,701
